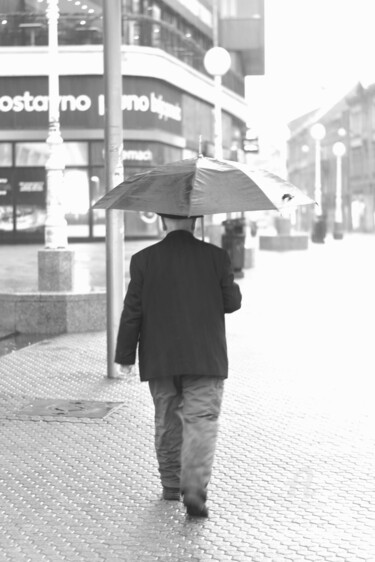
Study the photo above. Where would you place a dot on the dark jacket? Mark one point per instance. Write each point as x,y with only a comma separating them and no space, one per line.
174,308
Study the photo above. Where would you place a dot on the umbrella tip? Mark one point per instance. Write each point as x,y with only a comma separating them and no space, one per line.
287,197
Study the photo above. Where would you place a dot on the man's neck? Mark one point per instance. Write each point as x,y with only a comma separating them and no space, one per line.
179,229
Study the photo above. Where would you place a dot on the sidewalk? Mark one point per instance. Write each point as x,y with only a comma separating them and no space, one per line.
294,475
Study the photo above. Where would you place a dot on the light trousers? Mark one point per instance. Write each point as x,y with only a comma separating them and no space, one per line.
187,410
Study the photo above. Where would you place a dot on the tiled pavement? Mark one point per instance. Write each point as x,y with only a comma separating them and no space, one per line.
294,475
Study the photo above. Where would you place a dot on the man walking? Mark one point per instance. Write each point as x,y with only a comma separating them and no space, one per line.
179,291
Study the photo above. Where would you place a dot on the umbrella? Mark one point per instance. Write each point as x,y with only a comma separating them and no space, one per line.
203,186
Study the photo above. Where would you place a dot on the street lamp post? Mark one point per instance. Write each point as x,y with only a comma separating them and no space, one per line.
217,62
55,225
339,150
319,227
115,246
55,262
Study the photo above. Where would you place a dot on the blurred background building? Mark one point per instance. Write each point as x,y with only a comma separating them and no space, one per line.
351,121
168,99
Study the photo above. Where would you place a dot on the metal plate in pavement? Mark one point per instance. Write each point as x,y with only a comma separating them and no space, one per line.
69,408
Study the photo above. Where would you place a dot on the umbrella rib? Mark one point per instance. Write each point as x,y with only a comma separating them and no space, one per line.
192,185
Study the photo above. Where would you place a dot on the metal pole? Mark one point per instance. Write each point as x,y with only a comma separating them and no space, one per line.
215,23
115,247
338,206
318,181
55,224
218,133
319,225
338,231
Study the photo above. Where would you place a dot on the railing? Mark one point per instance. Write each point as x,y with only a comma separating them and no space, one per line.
31,29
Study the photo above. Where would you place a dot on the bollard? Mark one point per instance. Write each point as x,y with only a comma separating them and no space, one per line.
319,230
233,241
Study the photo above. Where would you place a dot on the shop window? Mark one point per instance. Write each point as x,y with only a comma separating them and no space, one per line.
156,35
77,202
97,190
76,153
97,183
97,153
6,219
6,202
35,154
30,201
133,33
5,154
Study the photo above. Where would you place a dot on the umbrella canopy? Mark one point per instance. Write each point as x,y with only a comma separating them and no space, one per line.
203,186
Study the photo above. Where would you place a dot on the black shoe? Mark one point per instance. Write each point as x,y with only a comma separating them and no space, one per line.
195,506
172,494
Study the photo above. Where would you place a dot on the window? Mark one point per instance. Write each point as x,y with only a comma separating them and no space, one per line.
97,153
5,154
356,121
356,161
77,202
156,11
31,154
76,153
132,6
156,35
35,154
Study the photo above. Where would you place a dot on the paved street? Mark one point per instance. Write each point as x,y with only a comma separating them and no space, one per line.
294,475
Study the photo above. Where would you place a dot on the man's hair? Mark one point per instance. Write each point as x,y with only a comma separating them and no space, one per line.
177,217
176,222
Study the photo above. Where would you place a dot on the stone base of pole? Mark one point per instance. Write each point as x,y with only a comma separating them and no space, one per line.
55,270
51,313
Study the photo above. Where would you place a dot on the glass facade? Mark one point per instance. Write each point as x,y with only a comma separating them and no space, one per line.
5,154
23,188
145,23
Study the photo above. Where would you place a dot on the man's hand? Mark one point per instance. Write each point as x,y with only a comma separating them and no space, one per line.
125,370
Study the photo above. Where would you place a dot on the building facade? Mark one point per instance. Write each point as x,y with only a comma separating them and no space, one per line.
351,120
167,105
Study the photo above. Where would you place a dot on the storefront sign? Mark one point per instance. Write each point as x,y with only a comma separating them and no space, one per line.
146,103
30,186
27,102
137,155
152,103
